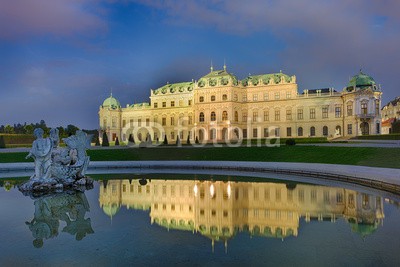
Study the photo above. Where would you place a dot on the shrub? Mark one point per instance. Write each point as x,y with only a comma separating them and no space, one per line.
165,140
290,142
188,140
105,140
131,140
2,143
97,143
117,141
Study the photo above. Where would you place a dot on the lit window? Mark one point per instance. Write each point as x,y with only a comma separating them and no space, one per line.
266,96
255,97
288,114
300,131
364,108
324,112
289,131
312,131
338,112
300,114
213,117
201,117
244,116
224,115
277,115
266,115
312,113
255,116
350,109
277,96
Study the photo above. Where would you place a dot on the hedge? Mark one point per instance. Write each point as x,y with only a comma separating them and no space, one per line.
15,139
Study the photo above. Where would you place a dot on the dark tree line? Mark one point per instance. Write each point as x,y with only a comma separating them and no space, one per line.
28,129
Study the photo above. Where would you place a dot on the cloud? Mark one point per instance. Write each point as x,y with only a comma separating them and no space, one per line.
332,37
25,18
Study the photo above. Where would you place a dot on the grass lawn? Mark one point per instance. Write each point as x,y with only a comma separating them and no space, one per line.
365,156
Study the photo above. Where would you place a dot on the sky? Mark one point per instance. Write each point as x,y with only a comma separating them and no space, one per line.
59,59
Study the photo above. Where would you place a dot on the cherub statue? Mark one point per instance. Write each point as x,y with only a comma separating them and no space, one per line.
41,153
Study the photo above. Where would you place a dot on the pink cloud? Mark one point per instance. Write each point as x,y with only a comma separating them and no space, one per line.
21,18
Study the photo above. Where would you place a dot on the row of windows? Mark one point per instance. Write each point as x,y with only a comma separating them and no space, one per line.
172,103
277,115
243,193
277,96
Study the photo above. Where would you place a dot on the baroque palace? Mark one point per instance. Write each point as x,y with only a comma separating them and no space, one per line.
219,107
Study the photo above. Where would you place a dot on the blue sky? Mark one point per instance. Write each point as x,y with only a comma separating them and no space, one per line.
61,58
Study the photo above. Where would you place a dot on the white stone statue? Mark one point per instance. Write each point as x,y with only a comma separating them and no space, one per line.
58,168
41,153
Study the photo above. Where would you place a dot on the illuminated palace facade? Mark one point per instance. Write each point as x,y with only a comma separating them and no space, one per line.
220,209
219,107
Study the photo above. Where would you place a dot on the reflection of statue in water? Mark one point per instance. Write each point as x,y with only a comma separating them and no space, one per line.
41,153
50,210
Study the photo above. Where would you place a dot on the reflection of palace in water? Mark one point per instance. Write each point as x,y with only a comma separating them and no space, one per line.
219,209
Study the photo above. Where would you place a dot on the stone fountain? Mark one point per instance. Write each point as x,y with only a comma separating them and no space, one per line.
56,168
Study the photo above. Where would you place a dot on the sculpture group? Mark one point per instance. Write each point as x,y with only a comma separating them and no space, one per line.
58,168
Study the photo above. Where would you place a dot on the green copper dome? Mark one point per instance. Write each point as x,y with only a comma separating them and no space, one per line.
110,209
111,102
361,80
221,77
273,78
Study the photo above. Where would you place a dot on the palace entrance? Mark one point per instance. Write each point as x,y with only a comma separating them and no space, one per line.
364,128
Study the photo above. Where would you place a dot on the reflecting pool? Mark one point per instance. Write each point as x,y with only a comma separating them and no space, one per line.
153,219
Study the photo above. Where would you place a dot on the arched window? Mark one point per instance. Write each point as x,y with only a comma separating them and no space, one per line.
201,99
300,131
201,117
213,98
236,116
312,131
213,118
364,108
224,115
224,97
325,131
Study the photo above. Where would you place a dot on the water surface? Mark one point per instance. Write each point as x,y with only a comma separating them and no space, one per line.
201,220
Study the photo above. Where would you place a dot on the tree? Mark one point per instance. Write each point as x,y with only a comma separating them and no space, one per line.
97,142
105,140
131,140
9,129
178,141
197,140
165,140
28,129
148,139
188,140
116,141
396,126
71,129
